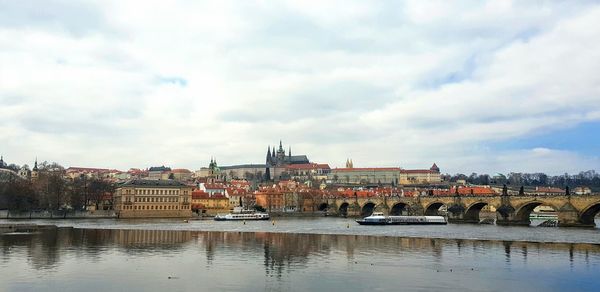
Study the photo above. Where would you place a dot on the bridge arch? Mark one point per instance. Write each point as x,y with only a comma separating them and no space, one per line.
343,210
323,207
367,209
473,211
524,211
589,214
433,208
399,209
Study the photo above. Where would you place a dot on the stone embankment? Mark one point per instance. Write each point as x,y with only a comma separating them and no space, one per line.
5,214
24,228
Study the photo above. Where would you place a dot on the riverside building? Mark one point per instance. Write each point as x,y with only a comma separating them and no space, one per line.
153,198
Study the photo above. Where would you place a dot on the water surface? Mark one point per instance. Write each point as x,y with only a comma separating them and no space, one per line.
333,225
74,259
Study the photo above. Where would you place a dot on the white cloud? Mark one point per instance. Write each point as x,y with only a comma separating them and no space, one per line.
388,84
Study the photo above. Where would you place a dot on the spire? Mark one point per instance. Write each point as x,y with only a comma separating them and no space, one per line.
268,154
35,168
280,146
290,152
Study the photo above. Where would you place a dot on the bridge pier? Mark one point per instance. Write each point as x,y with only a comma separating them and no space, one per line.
568,216
511,222
416,210
458,214
354,210
461,219
383,208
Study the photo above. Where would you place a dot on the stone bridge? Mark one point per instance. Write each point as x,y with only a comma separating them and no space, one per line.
572,210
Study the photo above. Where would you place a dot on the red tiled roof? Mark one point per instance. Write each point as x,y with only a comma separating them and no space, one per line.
368,169
309,166
214,186
199,194
416,171
471,191
86,169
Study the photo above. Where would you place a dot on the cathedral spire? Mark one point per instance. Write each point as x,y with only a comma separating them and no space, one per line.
290,152
269,154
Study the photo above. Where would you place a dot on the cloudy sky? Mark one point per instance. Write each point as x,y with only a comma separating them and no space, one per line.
474,86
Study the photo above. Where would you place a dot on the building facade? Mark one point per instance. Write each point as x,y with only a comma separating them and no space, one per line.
209,205
383,176
421,176
310,171
159,172
153,199
244,171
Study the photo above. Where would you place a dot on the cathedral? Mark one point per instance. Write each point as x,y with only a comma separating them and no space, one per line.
280,159
277,162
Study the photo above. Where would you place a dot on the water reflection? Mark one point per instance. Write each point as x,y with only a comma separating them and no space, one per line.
281,255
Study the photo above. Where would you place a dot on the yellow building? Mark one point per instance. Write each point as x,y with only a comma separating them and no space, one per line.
420,176
153,198
204,203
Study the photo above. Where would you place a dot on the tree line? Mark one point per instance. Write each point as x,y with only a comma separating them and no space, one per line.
585,178
52,191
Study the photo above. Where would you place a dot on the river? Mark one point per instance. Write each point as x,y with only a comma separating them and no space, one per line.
336,225
296,254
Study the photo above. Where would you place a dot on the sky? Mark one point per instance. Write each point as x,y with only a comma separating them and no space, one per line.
474,86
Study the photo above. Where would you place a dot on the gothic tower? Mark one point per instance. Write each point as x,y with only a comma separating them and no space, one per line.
268,160
34,171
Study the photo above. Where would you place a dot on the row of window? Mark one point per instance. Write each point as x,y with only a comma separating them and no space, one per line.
154,192
152,207
160,200
155,200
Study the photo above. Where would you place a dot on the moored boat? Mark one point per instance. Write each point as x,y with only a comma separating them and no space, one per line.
380,219
242,215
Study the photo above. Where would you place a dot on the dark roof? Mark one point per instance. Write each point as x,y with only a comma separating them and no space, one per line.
152,183
243,166
297,159
159,168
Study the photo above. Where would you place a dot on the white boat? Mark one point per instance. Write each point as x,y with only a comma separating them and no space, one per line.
380,219
239,214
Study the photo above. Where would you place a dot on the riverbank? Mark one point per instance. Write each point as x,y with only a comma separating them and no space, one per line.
24,228
97,214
